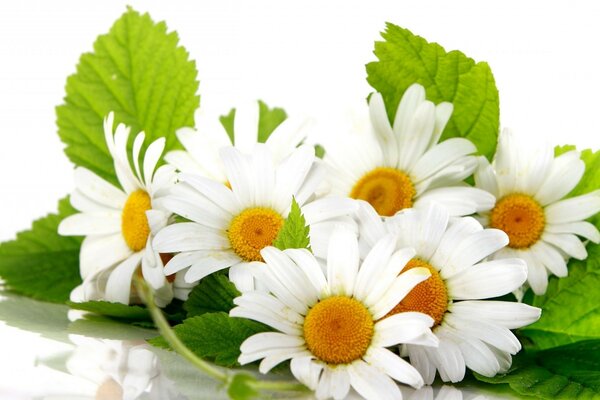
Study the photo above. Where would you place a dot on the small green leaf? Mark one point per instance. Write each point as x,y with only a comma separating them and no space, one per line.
214,293
568,372
138,71
319,151
227,122
40,263
294,233
268,120
571,305
215,336
240,387
405,58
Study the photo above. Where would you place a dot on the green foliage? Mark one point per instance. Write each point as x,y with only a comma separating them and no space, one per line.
213,294
405,58
134,314
590,180
215,336
40,263
241,387
114,310
568,372
294,233
571,305
268,120
138,71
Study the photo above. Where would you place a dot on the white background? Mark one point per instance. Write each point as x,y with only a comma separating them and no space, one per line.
307,56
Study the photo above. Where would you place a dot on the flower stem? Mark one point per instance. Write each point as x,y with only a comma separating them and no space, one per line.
147,295
165,330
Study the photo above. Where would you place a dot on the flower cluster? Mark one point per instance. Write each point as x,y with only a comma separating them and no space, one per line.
404,259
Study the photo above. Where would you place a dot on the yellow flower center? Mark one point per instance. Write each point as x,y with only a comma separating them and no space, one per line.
338,330
134,223
521,217
252,230
386,189
428,297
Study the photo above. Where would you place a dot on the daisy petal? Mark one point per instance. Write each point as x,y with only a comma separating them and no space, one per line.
485,178
383,131
245,126
573,209
306,371
488,279
151,158
550,258
95,223
567,170
372,383
504,313
405,327
97,189
394,366
581,228
118,287
342,262
568,243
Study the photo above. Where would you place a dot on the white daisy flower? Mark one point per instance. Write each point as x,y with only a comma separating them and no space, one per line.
403,166
202,144
529,185
118,224
472,332
229,227
330,324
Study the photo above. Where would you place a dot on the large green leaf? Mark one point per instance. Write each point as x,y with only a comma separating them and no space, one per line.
214,293
404,59
570,372
138,71
570,307
40,263
216,336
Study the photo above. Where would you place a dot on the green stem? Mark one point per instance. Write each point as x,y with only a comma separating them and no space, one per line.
283,386
147,295
165,330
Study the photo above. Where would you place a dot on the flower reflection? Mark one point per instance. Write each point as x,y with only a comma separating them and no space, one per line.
126,370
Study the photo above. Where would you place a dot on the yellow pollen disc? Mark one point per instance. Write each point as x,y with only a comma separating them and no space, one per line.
429,297
338,330
521,217
252,230
388,190
134,223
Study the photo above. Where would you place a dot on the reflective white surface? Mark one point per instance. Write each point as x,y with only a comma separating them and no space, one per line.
63,354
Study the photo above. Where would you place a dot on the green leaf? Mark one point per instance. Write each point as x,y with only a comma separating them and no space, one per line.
568,372
240,387
114,310
40,263
590,180
294,233
138,71
570,307
134,314
268,120
214,293
405,58
215,336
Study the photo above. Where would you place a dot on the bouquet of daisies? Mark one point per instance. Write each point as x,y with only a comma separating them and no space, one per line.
426,246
